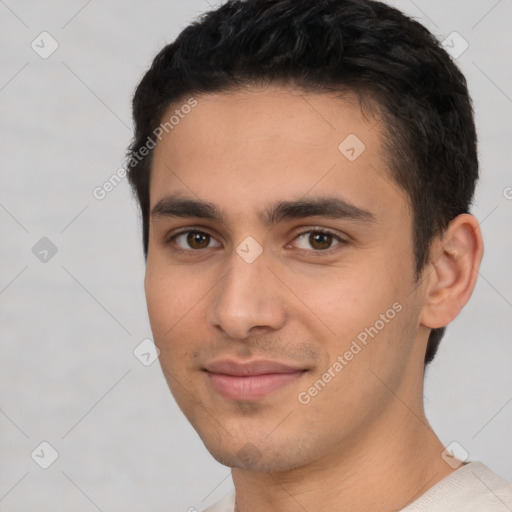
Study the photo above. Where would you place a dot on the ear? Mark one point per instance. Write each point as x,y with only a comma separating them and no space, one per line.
451,276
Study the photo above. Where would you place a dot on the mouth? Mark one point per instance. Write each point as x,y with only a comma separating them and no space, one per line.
250,381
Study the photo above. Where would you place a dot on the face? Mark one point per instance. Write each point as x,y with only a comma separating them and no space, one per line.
280,276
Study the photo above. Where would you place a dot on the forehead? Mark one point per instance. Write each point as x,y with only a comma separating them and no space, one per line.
276,143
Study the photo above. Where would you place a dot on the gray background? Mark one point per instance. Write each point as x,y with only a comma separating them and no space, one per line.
69,325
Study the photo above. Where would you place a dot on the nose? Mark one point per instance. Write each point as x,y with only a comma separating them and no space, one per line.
248,298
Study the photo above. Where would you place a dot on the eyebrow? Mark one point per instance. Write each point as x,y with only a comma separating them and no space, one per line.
329,207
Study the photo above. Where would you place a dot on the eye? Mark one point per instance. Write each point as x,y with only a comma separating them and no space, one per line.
194,240
317,240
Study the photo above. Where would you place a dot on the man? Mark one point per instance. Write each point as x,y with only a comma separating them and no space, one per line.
305,172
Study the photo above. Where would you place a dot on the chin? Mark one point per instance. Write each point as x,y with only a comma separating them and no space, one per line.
252,456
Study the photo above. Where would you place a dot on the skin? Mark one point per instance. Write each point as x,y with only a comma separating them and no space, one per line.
362,442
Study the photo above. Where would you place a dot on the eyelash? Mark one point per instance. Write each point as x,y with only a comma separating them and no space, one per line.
319,252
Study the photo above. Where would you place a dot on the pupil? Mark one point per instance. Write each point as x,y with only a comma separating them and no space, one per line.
320,240
197,240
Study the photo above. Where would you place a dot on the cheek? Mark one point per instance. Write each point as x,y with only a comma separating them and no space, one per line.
173,298
173,304
162,301
346,300
361,311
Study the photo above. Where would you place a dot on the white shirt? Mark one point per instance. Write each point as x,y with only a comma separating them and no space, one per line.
472,488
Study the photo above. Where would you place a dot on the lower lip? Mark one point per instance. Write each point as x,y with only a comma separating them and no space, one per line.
251,387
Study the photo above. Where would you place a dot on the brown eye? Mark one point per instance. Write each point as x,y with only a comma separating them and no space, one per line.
195,240
320,240
317,240
198,240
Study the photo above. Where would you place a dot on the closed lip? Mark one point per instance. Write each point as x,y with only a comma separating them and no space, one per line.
252,368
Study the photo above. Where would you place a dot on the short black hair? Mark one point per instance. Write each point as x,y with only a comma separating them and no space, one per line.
396,67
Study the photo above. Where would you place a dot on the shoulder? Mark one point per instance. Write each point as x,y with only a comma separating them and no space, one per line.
472,488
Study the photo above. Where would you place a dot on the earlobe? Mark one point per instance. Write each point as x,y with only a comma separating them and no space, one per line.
455,260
